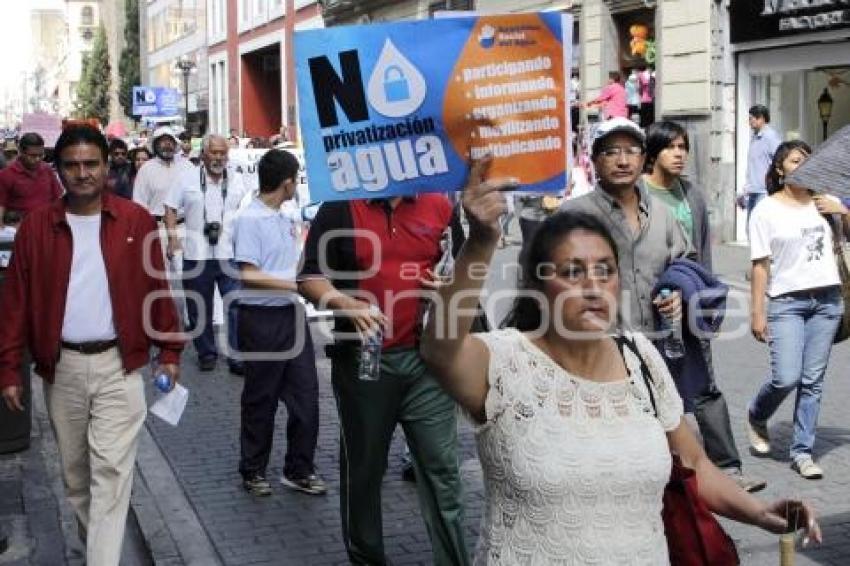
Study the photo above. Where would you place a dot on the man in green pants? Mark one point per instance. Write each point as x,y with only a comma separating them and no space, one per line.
369,261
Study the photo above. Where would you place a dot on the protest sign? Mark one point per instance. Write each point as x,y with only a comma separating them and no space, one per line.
400,108
48,126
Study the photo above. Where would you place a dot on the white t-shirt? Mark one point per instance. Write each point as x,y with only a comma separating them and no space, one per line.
188,195
798,241
88,308
154,181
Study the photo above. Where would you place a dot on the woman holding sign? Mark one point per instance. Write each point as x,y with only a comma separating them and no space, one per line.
575,421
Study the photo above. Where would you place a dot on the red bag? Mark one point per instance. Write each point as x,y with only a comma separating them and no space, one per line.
694,536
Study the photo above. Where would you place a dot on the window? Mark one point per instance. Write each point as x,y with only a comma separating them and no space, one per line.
87,16
449,5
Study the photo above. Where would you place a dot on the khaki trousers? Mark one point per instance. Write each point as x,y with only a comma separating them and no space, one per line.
96,412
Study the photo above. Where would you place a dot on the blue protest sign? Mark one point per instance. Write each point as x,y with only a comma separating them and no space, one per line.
401,108
155,101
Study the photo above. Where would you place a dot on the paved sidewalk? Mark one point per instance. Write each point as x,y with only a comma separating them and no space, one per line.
34,513
192,510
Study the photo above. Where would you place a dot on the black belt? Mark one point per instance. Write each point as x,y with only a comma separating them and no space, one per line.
90,348
162,219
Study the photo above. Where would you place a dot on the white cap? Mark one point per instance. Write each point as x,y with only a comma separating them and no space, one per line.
614,126
163,131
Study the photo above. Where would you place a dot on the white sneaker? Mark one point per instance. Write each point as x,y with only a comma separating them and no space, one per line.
759,437
807,468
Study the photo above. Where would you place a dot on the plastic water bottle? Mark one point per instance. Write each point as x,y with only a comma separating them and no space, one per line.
674,347
370,355
162,381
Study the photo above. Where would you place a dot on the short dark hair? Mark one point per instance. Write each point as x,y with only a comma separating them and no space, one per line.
28,140
774,181
275,167
659,136
184,136
77,134
117,143
760,111
614,75
11,217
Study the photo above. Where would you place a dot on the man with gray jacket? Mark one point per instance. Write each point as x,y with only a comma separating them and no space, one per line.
648,237
667,149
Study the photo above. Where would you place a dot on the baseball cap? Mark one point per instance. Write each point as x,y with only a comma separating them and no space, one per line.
163,131
614,126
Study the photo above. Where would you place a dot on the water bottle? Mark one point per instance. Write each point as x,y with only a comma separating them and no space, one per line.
674,347
162,381
370,355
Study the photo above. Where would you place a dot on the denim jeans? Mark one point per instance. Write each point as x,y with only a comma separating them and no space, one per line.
801,327
209,274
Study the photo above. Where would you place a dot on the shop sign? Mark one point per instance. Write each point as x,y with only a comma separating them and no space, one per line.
754,20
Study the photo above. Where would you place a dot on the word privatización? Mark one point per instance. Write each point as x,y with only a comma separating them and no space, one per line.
377,134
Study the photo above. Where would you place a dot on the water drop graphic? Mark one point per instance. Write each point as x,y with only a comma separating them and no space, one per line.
396,88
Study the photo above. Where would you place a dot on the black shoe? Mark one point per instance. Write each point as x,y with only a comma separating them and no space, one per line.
207,364
237,369
408,474
257,486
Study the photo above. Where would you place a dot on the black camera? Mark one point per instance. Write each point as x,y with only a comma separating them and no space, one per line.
212,230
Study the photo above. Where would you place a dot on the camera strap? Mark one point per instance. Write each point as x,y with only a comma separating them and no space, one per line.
223,192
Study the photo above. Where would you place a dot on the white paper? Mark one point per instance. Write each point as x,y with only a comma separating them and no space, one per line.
170,407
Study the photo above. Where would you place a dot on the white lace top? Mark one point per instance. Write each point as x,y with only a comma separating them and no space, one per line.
574,470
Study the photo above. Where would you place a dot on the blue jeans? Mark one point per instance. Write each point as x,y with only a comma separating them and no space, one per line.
801,329
210,273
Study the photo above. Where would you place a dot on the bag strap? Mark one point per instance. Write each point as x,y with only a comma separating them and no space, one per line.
624,341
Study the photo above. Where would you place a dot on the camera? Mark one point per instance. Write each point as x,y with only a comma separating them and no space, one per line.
212,231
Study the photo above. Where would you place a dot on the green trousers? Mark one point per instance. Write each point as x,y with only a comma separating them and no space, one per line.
368,414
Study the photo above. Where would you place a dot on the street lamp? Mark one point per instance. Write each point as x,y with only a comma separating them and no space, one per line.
825,109
186,66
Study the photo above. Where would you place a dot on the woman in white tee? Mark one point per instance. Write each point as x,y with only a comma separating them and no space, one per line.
793,266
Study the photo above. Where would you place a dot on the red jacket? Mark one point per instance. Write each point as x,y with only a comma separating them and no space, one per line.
32,301
23,190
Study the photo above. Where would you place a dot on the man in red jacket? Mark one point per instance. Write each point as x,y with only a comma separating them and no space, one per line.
85,293
28,182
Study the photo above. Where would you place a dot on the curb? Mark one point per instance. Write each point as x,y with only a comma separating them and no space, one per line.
164,513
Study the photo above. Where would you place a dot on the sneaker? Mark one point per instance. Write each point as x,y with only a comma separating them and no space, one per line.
747,483
207,364
759,437
257,486
807,468
312,484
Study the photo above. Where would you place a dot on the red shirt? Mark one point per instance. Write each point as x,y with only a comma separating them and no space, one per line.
404,242
33,297
23,190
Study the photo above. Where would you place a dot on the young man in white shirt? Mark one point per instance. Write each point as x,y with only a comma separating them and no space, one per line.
209,198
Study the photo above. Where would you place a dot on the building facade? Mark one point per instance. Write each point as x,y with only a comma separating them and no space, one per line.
250,88
794,58
171,31
112,14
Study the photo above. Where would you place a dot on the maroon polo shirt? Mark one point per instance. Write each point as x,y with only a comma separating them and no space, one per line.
23,190
402,243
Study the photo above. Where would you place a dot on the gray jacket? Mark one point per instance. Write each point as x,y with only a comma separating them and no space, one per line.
702,228
644,256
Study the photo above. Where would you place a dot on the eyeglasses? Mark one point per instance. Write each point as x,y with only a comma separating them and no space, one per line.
617,151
